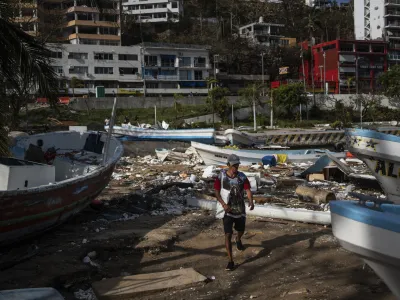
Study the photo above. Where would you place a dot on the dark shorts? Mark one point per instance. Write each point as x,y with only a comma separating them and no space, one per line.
238,223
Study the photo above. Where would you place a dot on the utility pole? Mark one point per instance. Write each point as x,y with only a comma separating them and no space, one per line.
304,83
254,109
357,95
212,95
272,109
338,76
325,90
262,75
233,118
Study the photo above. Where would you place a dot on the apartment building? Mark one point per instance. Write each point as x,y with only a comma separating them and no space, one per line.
266,34
379,20
154,11
348,66
71,21
150,69
174,68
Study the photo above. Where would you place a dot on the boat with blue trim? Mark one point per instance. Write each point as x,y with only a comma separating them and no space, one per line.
370,228
134,133
213,155
381,153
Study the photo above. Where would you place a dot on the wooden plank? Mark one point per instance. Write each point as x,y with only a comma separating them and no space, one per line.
128,287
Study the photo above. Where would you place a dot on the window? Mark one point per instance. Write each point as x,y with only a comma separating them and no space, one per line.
174,4
200,62
185,75
185,62
150,60
127,57
167,61
128,71
88,42
108,30
78,70
107,84
109,43
56,54
103,70
103,56
58,69
198,75
76,55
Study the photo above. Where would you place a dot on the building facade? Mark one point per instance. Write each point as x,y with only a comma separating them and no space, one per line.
266,34
150,69
154,11
379,20
71,21
348,66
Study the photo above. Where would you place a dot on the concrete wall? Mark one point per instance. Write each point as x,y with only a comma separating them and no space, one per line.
206,118
137,102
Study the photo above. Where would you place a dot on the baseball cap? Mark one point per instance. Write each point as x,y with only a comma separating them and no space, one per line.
233,159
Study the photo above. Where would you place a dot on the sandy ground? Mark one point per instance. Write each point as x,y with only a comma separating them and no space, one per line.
282,260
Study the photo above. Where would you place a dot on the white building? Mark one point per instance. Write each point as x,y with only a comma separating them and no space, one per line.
267,34
174,68
379,20
168,69
154,11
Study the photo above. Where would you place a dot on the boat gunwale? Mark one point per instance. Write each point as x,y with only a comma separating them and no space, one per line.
61,184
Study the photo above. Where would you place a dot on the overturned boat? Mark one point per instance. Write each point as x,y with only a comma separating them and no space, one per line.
52,177
381,153
213,155
371,229
237,137
134,133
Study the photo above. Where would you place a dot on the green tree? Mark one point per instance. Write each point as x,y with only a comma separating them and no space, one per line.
390,82
23,60
288,97
74,84
177,106
219,103
251,96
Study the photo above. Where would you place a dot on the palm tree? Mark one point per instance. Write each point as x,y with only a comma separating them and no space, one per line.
23,59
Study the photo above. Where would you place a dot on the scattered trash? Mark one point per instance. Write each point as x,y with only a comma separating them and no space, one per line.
85,295
84,241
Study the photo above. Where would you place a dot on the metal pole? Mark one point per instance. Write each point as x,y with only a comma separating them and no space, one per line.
304,83
212,97
361,117
155,116
233,118
262,75
325,91
272,109
254,110
110,129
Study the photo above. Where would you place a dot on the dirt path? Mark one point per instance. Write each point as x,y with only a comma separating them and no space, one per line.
283,260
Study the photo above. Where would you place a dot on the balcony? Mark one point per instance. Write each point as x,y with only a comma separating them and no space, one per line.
394,46
94,36
392,3
200,65
393,25
186,91
392,13
394,57
91,23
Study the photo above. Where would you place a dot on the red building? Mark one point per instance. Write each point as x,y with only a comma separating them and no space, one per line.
346,63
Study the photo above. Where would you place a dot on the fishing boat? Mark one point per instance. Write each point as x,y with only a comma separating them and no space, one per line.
213,155
134,133
371,229
51,177
381,153
236,137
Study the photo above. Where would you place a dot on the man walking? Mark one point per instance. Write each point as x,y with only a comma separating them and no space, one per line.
229,190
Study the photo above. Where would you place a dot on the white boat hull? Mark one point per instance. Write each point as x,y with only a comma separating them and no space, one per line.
236,137
381,153
378,247
206,136
212,155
